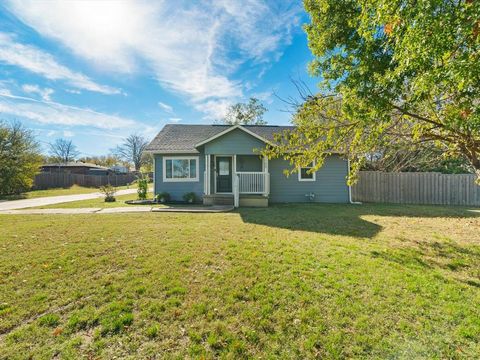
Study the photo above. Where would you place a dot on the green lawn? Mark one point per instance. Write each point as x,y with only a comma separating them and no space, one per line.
75,189
298,281
96,203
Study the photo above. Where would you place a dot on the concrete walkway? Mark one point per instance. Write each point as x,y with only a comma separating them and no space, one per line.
26,203
79,210
124,209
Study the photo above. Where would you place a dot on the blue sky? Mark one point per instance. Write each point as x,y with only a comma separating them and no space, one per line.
95,72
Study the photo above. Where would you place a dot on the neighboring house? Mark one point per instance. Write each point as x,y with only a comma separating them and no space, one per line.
221,165
119,169
75,167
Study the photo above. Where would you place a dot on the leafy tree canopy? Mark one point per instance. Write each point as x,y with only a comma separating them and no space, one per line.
250,113
391,69
20,158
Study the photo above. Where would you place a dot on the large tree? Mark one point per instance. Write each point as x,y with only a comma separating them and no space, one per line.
250,113
20,158
63,150
390,69
132,150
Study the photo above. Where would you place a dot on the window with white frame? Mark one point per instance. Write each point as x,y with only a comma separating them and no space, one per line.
180,168
304,173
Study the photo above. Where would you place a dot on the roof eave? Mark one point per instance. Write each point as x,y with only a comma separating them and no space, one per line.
162,152
233,127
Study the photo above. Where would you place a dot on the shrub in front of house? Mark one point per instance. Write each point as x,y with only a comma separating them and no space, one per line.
163,197
109,192
189,197
142,189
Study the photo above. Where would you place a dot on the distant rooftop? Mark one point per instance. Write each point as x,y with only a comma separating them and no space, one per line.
75,164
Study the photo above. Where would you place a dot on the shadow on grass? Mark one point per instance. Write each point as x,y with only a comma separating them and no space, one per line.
342,219
460,261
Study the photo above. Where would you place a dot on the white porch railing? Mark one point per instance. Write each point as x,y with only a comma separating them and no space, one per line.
253,182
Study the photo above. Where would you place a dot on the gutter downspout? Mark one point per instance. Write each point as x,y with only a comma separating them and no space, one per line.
350,189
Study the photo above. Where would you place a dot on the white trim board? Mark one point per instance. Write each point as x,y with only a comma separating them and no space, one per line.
314,177
172,152
226,131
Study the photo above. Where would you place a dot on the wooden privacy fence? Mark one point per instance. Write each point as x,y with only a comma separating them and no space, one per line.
46,180
417,188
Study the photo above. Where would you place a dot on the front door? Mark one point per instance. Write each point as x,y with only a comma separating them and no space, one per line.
224,174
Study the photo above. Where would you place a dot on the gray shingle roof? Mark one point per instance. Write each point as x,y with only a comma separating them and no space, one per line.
182,138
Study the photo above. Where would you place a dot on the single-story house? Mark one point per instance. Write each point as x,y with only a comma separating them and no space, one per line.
222,164
77,167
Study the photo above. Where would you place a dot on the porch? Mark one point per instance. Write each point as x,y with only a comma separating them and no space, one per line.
240,180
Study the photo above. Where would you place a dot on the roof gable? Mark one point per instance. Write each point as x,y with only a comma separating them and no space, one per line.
228,130
177,138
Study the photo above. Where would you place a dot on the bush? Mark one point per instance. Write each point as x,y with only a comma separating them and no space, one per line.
109,192
142,189
189,197
163,197
20,158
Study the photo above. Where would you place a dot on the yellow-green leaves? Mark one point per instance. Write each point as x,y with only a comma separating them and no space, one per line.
401,69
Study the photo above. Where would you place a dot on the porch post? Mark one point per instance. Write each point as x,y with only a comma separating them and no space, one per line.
154,176
236,183
207,174
236,192
266,177
234,166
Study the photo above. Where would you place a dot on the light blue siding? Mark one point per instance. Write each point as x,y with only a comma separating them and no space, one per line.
235,142
177,189
330,185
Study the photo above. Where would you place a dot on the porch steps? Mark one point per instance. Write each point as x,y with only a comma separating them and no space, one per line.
218,199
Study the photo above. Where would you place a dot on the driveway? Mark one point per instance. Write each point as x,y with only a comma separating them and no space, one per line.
26,203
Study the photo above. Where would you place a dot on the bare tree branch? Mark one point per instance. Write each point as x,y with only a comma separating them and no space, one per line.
132,150
64,150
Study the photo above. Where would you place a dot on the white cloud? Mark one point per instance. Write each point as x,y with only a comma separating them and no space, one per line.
193,48
175,120
265,96
68,133
5,92
165,107
73,91
42,63
48,112
214,109
35,89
